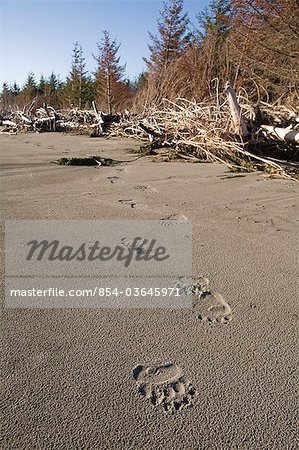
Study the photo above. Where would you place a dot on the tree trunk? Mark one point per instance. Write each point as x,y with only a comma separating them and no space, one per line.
109,100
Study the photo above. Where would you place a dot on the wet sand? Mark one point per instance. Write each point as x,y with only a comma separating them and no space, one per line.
79,378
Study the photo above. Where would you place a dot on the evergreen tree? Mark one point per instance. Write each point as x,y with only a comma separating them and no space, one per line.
5,96
109,74
15,90
141,81
15,94
173,38
89,92
213,55
29,90
76,85
41,85
53,82
30,87
216,19
52,91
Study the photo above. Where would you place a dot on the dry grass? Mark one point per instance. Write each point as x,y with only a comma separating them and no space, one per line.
204,131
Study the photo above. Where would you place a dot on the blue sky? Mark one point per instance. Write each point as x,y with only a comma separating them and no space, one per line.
39,35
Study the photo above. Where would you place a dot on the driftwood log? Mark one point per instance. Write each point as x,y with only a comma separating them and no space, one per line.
281,134
152,134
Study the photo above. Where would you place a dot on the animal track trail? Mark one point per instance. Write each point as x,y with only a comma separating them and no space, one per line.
129,202
113,179
173,219
210,306
145,188
133,204
164,386
121,169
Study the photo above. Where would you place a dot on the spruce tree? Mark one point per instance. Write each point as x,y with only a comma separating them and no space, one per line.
109,74
29,90
216,19
15,90
5,96
30,86
41,85
76,85
53,82
212,39
173,37
53,90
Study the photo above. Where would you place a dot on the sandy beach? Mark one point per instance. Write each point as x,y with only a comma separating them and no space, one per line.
71,378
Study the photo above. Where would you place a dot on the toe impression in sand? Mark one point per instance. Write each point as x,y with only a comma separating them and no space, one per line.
210,306
165,386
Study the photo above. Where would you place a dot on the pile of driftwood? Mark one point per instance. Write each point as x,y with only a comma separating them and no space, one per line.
47,119
229,130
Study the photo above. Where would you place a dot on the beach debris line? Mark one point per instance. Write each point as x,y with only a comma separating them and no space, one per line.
224,128
47,119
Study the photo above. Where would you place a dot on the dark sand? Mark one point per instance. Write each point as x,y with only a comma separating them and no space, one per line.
68,374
